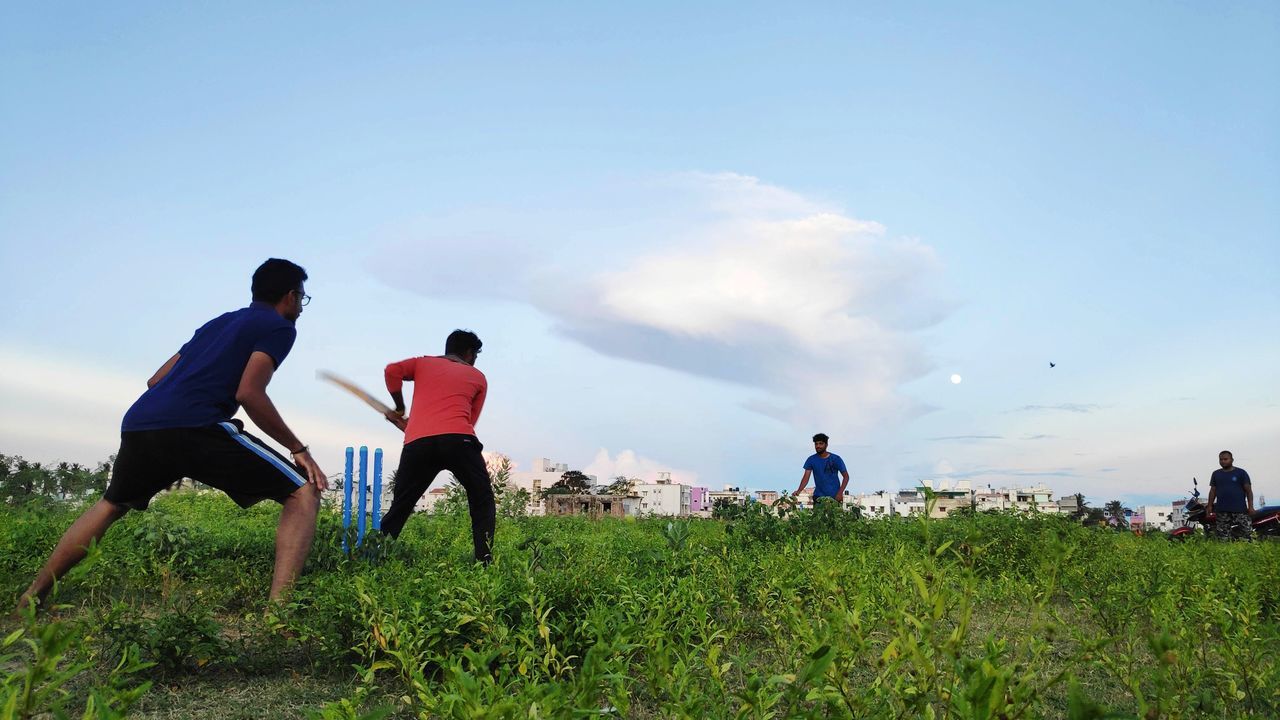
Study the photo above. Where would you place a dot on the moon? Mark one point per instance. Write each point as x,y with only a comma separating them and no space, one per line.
955,379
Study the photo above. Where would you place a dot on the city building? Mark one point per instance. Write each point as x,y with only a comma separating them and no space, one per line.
946,498
768,497
543,474
1157,517
1069,505
663,497
430,499
593,506
698,503
876,505
1038,499
729,494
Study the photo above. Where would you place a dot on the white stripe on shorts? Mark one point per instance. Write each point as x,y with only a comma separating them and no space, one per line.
264,453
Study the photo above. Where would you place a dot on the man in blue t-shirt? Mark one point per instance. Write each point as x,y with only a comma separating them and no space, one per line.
824,468
182,427
1231,497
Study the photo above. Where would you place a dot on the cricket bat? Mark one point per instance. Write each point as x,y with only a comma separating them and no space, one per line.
354,389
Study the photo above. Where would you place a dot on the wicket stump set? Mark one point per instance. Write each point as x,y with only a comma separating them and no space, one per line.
363,494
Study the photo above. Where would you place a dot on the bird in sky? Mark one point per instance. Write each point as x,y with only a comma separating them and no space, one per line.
1053,364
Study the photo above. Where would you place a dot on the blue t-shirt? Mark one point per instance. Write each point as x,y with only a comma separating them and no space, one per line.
201,388
826,474
1229,485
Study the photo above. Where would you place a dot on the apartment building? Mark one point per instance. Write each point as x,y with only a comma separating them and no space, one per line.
542,475
1157,517
768,497
1027,499
698,503
875,505
663,497
730,493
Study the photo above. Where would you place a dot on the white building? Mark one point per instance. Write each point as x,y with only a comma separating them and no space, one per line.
908,502
875,505
663,497
1158,517
1178,516
1025,499
431,498
768,497
543,475
728,494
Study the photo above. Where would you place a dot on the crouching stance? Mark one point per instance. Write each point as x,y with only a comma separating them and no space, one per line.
440,434
182,427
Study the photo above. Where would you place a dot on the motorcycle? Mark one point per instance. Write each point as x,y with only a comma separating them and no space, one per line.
1265,520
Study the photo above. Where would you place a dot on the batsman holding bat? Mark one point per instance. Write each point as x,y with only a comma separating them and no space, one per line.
182,427
440,434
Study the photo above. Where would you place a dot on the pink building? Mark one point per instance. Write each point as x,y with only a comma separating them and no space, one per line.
698,500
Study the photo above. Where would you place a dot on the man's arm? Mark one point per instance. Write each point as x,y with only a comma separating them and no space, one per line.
477,404
803,481
164,370
252,396
395,375
1248,496
1208,502
840,495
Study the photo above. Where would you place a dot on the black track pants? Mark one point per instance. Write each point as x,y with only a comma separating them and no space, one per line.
421,461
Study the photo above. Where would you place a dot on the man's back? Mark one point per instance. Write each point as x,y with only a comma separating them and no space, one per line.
200,390
447,395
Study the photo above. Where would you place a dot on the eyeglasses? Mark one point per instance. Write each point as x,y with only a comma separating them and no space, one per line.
303,298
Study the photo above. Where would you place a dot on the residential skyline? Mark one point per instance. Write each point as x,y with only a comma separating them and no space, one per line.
690,236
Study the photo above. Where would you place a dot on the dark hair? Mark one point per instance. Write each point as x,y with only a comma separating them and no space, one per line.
820,437
276,278
461,342
1226,452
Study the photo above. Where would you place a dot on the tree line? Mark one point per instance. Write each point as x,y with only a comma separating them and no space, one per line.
23,481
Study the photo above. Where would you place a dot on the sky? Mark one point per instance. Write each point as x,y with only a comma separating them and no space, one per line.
690,235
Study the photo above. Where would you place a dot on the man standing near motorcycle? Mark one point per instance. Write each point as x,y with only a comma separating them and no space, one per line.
1231,495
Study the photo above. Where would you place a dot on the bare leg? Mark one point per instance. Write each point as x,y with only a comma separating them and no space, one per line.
71,549
293,537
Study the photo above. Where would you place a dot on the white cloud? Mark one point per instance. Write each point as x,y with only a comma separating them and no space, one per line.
735,195
812,308
814,312
606,467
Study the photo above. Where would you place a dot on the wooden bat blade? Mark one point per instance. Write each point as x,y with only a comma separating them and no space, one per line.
354,389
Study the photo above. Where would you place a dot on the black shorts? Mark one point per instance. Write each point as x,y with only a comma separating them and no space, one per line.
222,456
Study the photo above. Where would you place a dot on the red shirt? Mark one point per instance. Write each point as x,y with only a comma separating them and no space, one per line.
447,395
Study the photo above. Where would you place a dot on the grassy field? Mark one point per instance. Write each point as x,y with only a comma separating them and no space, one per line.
815,615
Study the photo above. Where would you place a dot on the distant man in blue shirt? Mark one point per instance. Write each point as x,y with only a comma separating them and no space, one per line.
824,468
182,426
1231,496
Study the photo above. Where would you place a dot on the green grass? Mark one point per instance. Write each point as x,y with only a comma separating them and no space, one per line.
816,615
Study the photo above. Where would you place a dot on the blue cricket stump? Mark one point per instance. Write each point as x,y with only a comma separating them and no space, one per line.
346,501
362,495
377,489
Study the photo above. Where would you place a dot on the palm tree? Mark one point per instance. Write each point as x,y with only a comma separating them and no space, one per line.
1116,511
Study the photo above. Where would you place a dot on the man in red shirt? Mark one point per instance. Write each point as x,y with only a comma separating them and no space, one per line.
440,434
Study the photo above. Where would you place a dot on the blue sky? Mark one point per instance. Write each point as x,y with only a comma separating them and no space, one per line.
690,237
